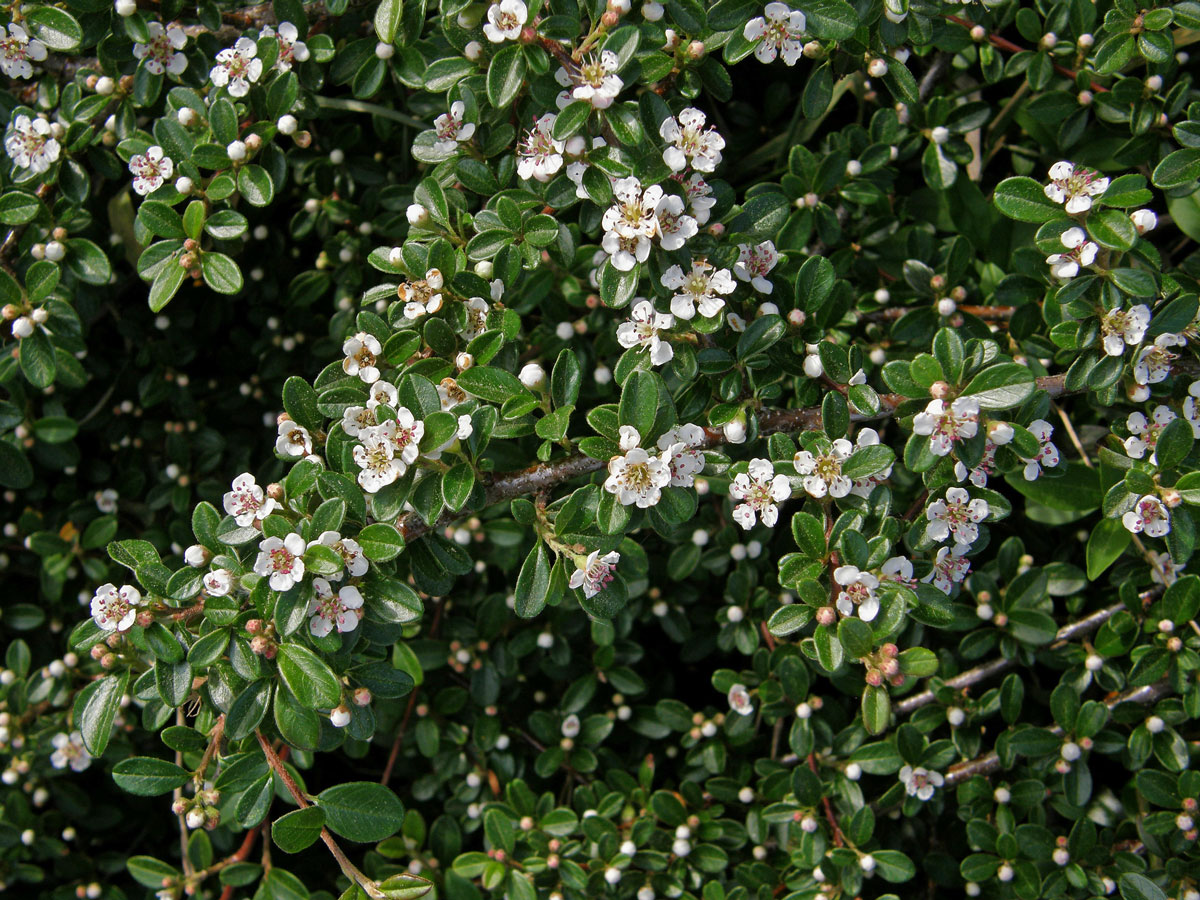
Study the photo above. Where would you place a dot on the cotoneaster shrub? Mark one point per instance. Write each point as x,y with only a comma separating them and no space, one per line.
726,452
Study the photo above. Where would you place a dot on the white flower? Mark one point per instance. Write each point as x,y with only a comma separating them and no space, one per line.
291,49
1143,220
279,560
780,30
539,155
1164,570
293,439
980,474
822,471
1154,362
150,170
690,143
1121,328
1047,456
356,418
637,477
328,609
628,438
382,393
633,210
362,352
576,169
1149,516
595,81
675,227
642,331
423,297
957,515
596,573
1191,408
477,311
1144,432
949,569
161,52
945,426
760,489
406,433
1075,186
116,610
106,500
16,49
505,20
857,592
625,252
350,551
69,750
376,457
755,263
698,289
452,129
678,446
237,67
920,782
740,701
218,582
30,145
699,196
247,502
868,437
1080,252
898,570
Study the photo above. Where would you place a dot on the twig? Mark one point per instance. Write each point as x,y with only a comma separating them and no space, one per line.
395,752
838,839
1005,44
348,868
990,762
1065,634
987,313
544,476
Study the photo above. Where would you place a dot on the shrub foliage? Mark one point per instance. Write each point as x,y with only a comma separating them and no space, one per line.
726,451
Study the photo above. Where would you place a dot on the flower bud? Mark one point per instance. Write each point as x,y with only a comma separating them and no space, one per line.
877,68
940,134
340,716
417,214
854,168
533,376
236,150
126,8
384,50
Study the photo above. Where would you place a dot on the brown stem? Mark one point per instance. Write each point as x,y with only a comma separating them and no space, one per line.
544,476
990,762
395,752
348,868
987,313
242,852
838,839
1005,44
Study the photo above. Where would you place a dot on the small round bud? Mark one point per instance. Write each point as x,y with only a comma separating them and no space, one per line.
287,124
1049,40
854,168
384,50
940,134
417,214
236,150
1093,662
1085,41
1001,795
877,68
105,86
126,8
978,33
1155,725
955,716
55,251
1154,83
340,717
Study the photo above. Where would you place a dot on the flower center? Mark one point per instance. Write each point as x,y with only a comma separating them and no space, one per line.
637,476
14,48
592,73
282,560
828,468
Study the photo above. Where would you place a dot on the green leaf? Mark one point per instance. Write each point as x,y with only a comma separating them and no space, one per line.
380,542
491,384
298,829
1001,386
256,186
457,485
38,361
166,284
639,402
95,709
505,76
1024,199
1105,545
161,220
15,470
149,777
533,582
1174,444
248,709
387,20
1112,228
221,273
361,811
876,709
56,28
1178,169
1138,887
308,677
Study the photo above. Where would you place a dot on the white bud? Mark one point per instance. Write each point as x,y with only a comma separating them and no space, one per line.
854,168
946,307
645,892
803,711
652,11
737,552
384,51
1166,626
681,847
545,640
287,124
971,888
854,771
955,716
417,214
735,614
1143,220
57,669
746,795
564,331
877,68
1005,872
339,717
882,295
28,836
1154,83
105,85
1071,751
186,116
1085,41
700,537
812,366
1000,433
184,185
473,50
1061,856
195,818
735,430
809,824
602,375
126,8
866,862
612,875
1184,822
22,328
1093,663
1001,795
533,376
337,156
628,848
940,134
236,150
55,251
